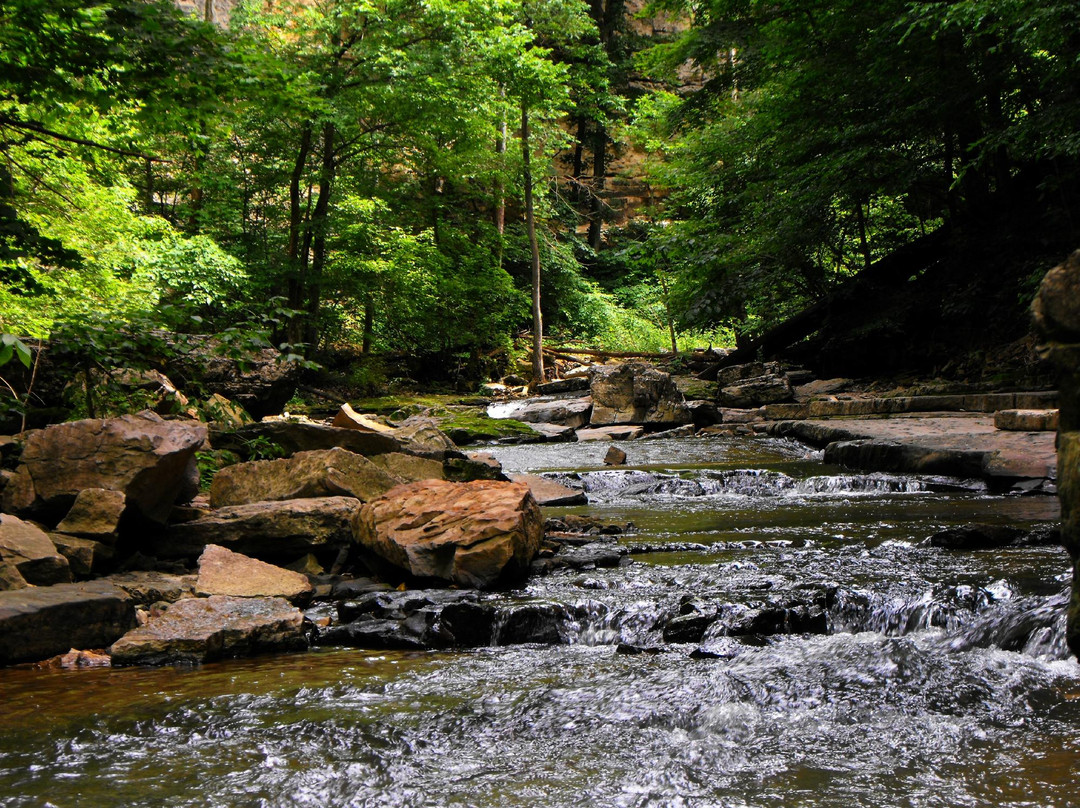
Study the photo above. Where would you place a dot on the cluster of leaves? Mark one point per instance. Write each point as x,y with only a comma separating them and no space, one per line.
829,133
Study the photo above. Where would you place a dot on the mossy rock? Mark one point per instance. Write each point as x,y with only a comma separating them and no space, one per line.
475,427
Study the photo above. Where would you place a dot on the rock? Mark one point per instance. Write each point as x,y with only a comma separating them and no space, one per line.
755,392
150,460
258,380
554,433
611,433
409,468
204,629
487,458
76,660
348,418
549,492
146,587
25,549
594,555
321,473
751,370
223,413
94,515
570,385
38,623
306,565
85,557
531,622
494,389
422,437
820,387
290,437
465,470
1056,311
703,413
567,412
471,534
156,389
977,537
1027,420
729,415
223,572
615,457
635,393
271,531
687,431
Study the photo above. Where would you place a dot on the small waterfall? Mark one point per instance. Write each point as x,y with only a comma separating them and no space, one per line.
1032,626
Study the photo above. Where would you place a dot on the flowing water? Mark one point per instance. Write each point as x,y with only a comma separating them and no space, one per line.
929,677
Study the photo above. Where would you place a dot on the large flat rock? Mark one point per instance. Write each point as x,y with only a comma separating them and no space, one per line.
41,622
271,531
965,446
205,629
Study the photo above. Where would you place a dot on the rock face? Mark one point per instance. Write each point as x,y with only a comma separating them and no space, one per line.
223,572
409,468
150,460
205,629
28,557
326,473
42,622
470,534
1057,317
271,531
635,393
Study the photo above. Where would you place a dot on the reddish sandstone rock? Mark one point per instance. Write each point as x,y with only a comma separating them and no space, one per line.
223,572
470,534
150,460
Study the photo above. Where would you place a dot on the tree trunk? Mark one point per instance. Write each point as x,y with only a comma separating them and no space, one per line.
534,246
596,215
319,227
369,322
294,292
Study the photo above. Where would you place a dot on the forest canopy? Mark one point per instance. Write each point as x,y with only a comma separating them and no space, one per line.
358,173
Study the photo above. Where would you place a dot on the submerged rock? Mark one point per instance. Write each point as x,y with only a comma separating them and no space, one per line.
205,629
470,534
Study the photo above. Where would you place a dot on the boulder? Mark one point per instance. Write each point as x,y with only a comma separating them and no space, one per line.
223,572
38,623
409,468
150,460
85,557
549,492
146,587
27,553
1056,311
94,515
755,392
977,537
553,433
204,629
272,531
290,437
470,534
751,370
567,412
321,473
615,457
1027,420
422,437
627,432
703,413
348,418
635,393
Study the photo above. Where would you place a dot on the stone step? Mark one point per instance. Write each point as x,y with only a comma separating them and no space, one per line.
856,407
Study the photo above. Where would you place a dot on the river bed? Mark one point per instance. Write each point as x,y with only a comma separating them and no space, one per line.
941,679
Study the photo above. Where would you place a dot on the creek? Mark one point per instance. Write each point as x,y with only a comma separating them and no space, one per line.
932,678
